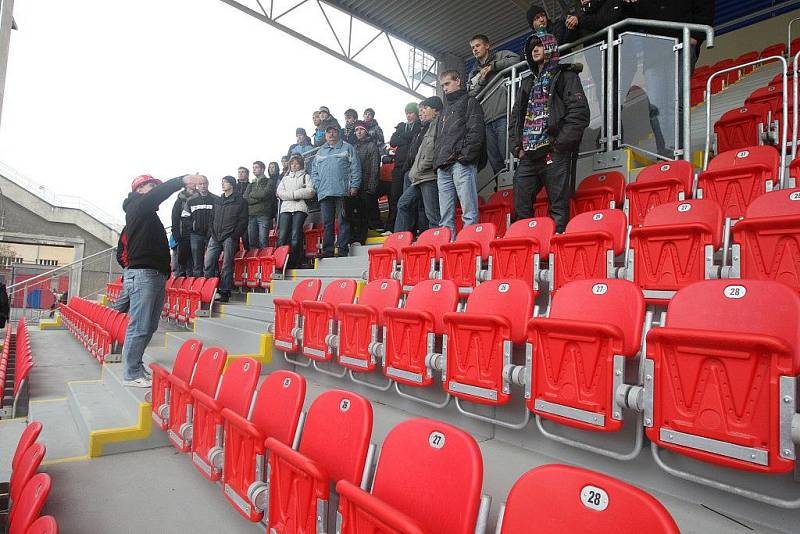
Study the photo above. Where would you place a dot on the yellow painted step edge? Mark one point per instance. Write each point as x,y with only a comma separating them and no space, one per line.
100,438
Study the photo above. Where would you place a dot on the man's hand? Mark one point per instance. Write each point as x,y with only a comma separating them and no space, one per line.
521,153
485,71
192,180
353,191
693,41
572,22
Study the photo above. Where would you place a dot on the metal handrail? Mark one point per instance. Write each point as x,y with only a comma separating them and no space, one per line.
60,267
794,102
785,107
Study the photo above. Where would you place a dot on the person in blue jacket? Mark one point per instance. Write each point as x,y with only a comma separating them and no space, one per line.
335,174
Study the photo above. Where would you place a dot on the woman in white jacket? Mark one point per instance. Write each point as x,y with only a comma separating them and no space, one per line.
293,190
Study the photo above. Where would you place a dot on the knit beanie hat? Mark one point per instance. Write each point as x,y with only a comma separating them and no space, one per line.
412,107
433,102
533,11
230,179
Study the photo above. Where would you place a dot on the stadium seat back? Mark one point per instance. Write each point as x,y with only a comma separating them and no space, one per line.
482,234
340,291
493,298
505,197
785,202
433,472
598,191
277,408
732,340
561,498
380,294
44,525
26,468
435,237
208,370
737,177
693,211
30,503
237,385
436,297
26,440
539,228
209,286
307,290
513,256
658,184
739,127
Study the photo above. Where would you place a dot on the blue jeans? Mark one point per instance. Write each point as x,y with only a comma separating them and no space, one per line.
290,232
458,181
123,302
426,195
329,207
229,246
258,227
199,244
145,288
496,143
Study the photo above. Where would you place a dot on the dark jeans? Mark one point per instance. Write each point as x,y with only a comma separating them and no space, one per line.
357,213
331,208
182,257
290,232
558,178
497,144
199,244
394,195
425,196
384,188
229,246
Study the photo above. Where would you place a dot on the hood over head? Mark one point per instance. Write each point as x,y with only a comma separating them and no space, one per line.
551,54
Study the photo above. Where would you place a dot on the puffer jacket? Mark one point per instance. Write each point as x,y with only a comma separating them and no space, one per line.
295,188
462,135
401,139
494,106
230,218
260,196
336,170
423,170
569,111
370,159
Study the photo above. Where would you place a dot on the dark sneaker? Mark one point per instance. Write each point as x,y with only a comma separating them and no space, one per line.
223,297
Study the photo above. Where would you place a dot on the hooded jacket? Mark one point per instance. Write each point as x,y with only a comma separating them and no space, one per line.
462,134
375,133
401,139
147,239
181,222
300,148
370,159
422,169
294,190
335,170
260,196
569,110
202,210
494,106
230,218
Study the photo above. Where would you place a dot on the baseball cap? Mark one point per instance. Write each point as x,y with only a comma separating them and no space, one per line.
325,109
332,127
139,181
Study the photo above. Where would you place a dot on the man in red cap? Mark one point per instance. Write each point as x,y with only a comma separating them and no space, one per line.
148,267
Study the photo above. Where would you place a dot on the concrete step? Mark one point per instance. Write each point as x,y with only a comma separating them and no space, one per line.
60,433
362,251
264,300
256,313
10,431
237,334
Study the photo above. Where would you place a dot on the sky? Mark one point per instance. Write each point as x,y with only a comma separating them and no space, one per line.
101,91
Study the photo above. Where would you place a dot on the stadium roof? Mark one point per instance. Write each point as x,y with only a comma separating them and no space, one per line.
442,26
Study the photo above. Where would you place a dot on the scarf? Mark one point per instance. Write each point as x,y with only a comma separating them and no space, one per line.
534,130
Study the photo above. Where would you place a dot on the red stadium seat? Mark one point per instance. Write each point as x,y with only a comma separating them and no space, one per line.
561,498
182,368
384,260
658,184
777,49
412,332
181,402
176,295
275,414
520,254
235,393
588,247
287,314
361,325
25,470
198,302
465,261
333,447
498,210
273,266
26,510
735,178
171,281
742,127
766,242
44,525
313,240
747,58
420,259
580,350
319,318
26,440
428,480
599,192
240,262
675,247
480,340
252,272
717,366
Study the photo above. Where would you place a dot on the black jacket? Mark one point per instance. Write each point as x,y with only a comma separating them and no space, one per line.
147,239
202,210
597,15
462,133
181,223
693,11
5,308
401,139
230,218
413,147
569,111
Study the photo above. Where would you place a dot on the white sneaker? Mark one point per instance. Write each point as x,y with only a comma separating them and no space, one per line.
147,372
141,382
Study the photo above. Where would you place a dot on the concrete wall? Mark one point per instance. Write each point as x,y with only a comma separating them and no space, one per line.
756,37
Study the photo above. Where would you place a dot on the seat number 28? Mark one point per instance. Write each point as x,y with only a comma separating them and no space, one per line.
594,498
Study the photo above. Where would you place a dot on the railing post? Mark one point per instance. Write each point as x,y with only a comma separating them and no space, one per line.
512,100
686,95
794,97
610,89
